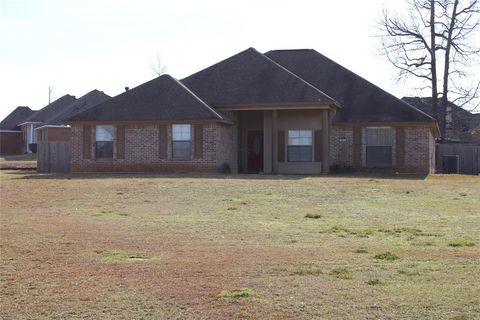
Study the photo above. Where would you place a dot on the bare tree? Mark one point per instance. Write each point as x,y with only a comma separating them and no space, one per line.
50,94
434,44
157,66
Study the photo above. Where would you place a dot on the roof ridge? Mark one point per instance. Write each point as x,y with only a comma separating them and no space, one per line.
298,77
196,97
217,63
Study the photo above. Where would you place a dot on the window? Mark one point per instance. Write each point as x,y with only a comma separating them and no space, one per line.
181,141
103,142
299,146
379,146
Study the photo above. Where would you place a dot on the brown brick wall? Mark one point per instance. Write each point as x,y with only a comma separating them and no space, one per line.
53,134
11,142
417,156
226,146
342,146
419,149
142,150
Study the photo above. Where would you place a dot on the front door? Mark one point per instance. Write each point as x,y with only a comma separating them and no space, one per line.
255,151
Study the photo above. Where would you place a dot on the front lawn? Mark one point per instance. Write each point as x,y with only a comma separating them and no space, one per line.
239,247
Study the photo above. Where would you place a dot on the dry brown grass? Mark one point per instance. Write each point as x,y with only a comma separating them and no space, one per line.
164,247
23,161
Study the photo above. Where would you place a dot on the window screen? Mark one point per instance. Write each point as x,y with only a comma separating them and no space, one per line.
181,137
104,141
299,147
379,146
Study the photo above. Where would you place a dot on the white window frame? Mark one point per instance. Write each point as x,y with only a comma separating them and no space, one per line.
104,139
182,134
299,138
374,139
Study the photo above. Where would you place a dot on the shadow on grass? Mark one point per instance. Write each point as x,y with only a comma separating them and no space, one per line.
19,157
29,175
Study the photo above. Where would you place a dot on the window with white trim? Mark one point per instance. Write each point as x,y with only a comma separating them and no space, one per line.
104,141
299,147
379,143
181,139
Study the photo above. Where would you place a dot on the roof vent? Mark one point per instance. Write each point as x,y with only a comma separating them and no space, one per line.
127,88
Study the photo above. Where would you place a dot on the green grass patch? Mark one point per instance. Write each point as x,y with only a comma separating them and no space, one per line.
389,256
313,216
307,271
365,233
407,230
461,242
341,273
126,256
237,293
408,272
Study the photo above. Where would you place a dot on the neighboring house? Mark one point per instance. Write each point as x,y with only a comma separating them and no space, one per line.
54,129
286,111
461,125
53,136
11,137
38,118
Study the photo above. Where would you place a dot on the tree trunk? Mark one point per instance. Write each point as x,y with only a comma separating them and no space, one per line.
434,106
446,72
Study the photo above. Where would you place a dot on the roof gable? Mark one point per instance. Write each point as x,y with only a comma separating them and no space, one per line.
16,117
51,110
163,98
249,78
361,100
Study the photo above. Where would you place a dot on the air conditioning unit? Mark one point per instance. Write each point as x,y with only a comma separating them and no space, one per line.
451,164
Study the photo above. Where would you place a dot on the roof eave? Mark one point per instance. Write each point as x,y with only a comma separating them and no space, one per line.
73,122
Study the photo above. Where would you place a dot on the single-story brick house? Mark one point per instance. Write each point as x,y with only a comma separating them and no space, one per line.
461,125
38,118
285,111
11,135
23,128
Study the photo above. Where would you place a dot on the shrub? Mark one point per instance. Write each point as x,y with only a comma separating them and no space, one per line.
341,273
224,168
340,168
386,256
313,216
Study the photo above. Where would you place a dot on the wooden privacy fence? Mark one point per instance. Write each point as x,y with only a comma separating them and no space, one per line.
53,156
468,156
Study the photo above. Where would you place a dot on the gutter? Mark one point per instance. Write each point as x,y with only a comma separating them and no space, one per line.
53,126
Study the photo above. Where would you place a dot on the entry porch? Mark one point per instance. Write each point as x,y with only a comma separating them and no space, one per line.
284,140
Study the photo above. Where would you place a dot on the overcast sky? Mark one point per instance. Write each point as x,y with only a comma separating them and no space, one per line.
77,46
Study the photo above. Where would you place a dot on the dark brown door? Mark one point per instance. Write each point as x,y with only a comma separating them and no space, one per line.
255,151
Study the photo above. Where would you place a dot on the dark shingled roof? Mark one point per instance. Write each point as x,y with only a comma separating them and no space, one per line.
16,117
163,98
248,78
85,102
463,119
51,110
361,101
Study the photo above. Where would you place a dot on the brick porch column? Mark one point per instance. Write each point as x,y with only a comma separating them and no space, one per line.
325,141
274,141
